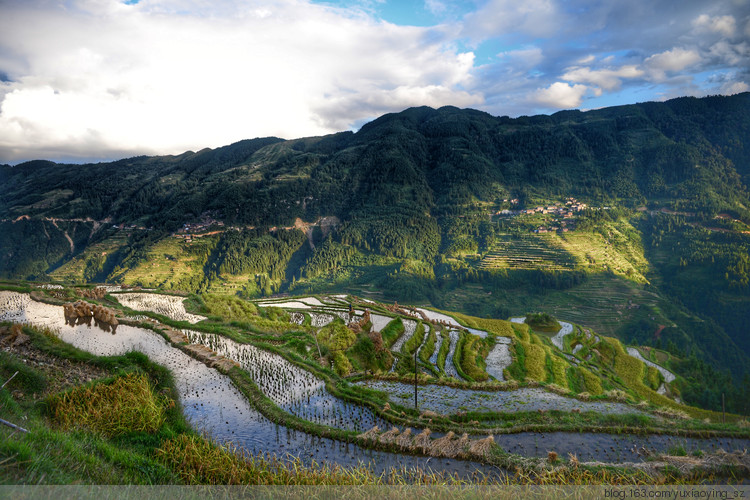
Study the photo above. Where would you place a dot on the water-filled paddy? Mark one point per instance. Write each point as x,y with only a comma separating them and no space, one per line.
450,369
212,403
448,400
499,358
290,387
166,305
448,320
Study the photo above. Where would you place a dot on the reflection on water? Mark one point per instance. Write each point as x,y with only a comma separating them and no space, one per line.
210,401
447,400
89,321
290,387
213,404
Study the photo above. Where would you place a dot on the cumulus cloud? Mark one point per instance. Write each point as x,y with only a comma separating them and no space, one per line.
561,95
162,76
676,59
731,88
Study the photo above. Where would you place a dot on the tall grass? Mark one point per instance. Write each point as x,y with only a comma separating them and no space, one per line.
127,404
198,461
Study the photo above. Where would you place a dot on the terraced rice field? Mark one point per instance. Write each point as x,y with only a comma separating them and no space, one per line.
668,376
290,387
449,320
166,305
410,326
602,302
379,322
292,304
448,400
557,340
438,343
528,251
214,406
427,329
450,368
499,358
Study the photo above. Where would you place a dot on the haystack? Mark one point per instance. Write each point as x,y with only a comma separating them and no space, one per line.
422,441
389,437
371,435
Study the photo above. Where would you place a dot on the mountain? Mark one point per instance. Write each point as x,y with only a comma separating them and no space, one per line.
649,240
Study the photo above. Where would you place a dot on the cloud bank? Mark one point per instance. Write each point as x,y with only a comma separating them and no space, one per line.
84,80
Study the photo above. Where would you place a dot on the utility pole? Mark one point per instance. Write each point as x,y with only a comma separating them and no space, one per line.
415,380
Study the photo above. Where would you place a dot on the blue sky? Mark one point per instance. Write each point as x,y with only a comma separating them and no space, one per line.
85,80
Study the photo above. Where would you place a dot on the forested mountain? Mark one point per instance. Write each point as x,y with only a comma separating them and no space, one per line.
649,239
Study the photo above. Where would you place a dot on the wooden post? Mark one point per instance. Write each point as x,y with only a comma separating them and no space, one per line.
723,413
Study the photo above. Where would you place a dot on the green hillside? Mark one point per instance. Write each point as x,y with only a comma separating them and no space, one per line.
634,220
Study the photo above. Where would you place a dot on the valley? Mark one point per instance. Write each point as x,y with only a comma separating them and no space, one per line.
287,377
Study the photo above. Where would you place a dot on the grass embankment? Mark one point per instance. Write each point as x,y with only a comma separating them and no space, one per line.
105,440
392,332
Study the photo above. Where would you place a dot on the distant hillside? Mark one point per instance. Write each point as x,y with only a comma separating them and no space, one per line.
425,206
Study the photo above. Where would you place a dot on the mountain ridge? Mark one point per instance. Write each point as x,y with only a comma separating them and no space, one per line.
420,198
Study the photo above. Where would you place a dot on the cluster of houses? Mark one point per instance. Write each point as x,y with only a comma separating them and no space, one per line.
565,212
189,229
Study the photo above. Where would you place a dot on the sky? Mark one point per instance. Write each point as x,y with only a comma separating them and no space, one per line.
96,80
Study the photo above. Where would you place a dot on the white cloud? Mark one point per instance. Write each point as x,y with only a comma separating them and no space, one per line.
152,78
674,60
435,6
607,79
725,25
731,54
561,95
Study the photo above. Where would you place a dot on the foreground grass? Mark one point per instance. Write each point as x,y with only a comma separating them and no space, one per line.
171,453
127,404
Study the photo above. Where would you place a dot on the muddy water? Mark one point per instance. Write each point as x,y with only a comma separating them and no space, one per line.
212,403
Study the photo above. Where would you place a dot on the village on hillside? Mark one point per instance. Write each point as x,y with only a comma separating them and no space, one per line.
564,214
